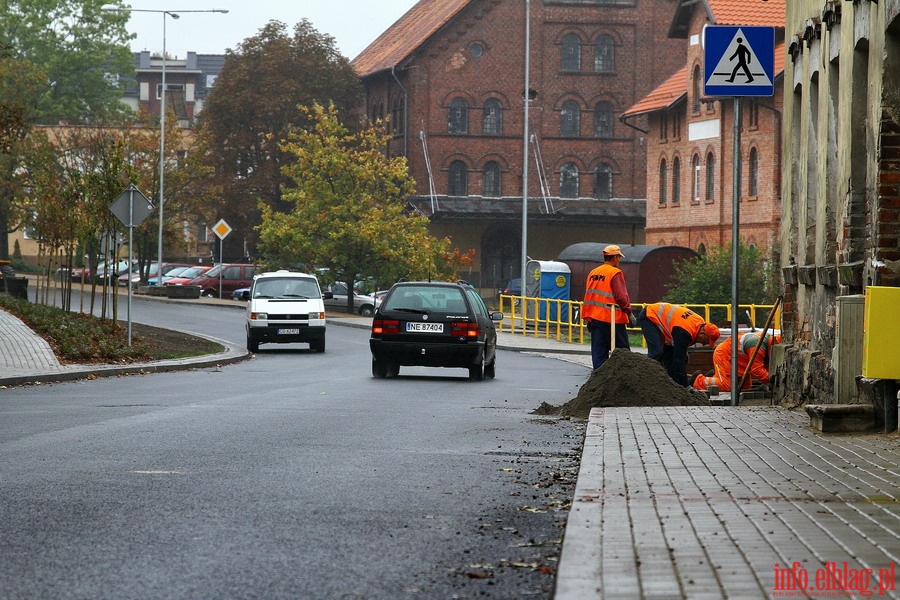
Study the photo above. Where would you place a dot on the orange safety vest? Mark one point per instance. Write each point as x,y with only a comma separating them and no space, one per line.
599,295
667,316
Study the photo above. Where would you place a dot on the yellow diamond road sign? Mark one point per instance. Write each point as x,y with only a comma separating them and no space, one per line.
221,229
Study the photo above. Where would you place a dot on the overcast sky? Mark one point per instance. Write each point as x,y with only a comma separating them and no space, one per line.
354,24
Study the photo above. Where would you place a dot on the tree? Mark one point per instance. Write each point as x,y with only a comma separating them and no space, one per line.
60,60
82,51
251,110
348,209
707,279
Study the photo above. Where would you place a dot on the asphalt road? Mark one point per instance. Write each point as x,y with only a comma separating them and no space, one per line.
291,475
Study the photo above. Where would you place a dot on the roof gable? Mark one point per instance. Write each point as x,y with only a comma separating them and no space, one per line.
770,13
405,36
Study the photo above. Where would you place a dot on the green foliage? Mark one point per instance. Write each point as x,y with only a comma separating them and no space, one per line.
349,211
81,52
251,111
707,279
75,337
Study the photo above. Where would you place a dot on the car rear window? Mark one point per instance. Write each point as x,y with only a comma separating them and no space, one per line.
428,298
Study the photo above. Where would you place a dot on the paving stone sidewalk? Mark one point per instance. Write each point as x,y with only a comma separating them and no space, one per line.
726,502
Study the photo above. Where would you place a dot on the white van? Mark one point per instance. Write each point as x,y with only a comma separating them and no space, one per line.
285,307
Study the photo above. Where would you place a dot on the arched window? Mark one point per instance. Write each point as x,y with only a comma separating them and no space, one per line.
603,120
603,182
663,180
568,181
458,118
710,177
676,180
697,86
492,119
695,178
490,180
701,249
457,183
604,55
570,119
754,173
571,53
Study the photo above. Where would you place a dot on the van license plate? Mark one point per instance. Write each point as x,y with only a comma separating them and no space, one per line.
425,327
288,331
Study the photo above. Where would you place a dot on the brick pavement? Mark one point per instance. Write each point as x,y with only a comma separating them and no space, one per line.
704,502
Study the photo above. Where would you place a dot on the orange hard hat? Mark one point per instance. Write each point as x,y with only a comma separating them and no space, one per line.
613,250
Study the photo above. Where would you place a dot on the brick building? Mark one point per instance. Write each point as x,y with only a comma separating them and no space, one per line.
188,82
450,74
840,230
690,145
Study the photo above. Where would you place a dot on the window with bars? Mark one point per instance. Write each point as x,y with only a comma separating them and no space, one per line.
490,180
603,120
663,180
603,182
710,177
571,53
492,117
458,117
570,119
753,183
457,184
604,55
676,180
568,181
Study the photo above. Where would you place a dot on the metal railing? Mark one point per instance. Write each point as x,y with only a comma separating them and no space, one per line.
561,319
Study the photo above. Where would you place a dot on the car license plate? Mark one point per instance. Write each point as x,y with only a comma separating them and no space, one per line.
288,331
425,327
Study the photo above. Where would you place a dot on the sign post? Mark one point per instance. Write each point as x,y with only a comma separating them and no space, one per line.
737,61
131,207
221,229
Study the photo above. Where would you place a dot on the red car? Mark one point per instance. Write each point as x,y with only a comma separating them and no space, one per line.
186,276
232,277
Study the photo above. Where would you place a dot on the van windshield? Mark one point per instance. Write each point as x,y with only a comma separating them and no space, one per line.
286,287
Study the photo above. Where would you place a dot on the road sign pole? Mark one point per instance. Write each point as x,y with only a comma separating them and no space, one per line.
735,237
130,250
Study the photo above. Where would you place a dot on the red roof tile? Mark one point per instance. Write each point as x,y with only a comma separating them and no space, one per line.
667,94
752,12
406,35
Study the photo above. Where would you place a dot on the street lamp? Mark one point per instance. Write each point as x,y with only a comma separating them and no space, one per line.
162,113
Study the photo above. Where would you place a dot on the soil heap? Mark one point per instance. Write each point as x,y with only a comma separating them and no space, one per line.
626,379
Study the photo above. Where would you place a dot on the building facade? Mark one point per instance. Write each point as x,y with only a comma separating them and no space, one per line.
690,147
450,76
841,213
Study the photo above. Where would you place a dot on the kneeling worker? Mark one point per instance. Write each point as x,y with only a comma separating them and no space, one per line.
669,330
722,362
605,288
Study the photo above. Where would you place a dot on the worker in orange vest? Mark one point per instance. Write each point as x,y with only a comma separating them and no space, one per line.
721,378
606,287
669,330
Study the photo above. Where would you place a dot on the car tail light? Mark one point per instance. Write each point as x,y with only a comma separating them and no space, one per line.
464,329
385,326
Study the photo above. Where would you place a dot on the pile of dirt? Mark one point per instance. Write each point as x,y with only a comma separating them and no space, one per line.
626,379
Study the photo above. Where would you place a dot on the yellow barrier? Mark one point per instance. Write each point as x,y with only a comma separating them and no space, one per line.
561,319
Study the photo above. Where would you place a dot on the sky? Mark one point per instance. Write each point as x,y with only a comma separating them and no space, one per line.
353,24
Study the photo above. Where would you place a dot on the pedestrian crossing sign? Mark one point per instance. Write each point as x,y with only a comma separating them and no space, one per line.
738,61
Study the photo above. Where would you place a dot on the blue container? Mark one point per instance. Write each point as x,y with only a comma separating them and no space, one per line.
552,280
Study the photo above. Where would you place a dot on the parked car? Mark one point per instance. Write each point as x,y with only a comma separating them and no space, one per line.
187,275
232,276
135,274
114,268
363,304
513,287
285,307
434,324
241,294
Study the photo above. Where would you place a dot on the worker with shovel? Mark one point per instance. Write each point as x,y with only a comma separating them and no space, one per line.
759,373
669,330
606,309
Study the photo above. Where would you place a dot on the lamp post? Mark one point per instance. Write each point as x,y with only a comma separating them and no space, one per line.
162,113
526,96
